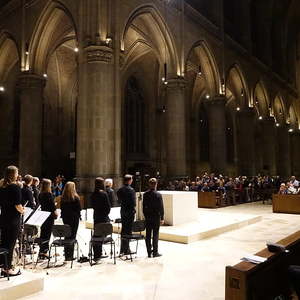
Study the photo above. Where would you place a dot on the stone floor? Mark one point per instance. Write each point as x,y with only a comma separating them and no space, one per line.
193,271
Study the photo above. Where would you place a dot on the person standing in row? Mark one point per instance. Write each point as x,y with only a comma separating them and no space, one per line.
10,218
153,210
127,198
70,213
35,190
46,200
100,204
27,195
110,192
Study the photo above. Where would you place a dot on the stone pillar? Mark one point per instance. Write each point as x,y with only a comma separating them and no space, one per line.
269,142
245,137
176,129
283,151
30,89
95,117
217,134
98,150
295,146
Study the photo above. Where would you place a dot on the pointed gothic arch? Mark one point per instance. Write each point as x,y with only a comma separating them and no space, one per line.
54,27
237,86
147,30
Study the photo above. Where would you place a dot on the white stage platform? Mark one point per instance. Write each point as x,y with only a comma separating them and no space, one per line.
208,223
23,285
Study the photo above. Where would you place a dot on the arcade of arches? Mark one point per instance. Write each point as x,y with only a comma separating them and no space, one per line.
104,87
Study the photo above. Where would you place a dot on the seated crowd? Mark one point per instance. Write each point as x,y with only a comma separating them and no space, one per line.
244,188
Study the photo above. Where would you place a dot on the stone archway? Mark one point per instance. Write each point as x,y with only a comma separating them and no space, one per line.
9,104
283,137
203,85
151,56
238,102
52,56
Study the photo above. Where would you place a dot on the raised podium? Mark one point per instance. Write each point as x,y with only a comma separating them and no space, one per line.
180,207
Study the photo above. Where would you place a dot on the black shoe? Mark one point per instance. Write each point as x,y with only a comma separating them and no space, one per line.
10,273
157,255
96,259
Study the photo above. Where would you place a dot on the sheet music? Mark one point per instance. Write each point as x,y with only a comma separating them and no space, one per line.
255,259
115,213
27,212
38,218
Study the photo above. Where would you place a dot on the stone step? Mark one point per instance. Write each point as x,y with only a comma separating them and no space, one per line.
23,285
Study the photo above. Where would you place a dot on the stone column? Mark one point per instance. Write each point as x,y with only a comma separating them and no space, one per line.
245,137
98,150
95,121
217,134
283,151
269,141
295,146
30,89
176,129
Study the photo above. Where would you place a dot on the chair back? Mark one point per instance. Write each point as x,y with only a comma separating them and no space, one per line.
138,226
30,230
103,229
61,231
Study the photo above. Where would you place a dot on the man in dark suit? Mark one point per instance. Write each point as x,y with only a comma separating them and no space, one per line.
127,198
153,210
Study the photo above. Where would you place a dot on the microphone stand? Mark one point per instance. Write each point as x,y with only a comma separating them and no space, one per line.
22,240
139,181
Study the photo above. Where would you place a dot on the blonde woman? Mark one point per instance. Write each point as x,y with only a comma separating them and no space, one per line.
46,200
70,213
10,218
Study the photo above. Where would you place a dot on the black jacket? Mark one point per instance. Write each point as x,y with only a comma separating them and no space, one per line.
27,196
127,198
111,197
101,206
153,206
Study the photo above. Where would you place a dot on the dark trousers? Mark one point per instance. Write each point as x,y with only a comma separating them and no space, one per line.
9,237
74,223
294,277
127,221
152,233
46,231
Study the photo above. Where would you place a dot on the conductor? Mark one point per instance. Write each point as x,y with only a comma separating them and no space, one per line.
153,210
126,195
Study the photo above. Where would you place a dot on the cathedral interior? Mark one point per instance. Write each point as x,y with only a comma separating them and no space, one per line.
102,87
164,88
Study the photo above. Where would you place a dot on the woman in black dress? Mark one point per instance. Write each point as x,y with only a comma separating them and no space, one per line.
70,213
46,201
101,205
10,218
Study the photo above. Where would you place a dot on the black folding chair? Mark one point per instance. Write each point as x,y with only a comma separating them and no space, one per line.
31,240
102,234
62,232
137,228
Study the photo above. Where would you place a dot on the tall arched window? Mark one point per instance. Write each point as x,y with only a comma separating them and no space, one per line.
134,117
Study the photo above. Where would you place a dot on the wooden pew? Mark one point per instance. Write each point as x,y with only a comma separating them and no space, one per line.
265,281
209,200
289,204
